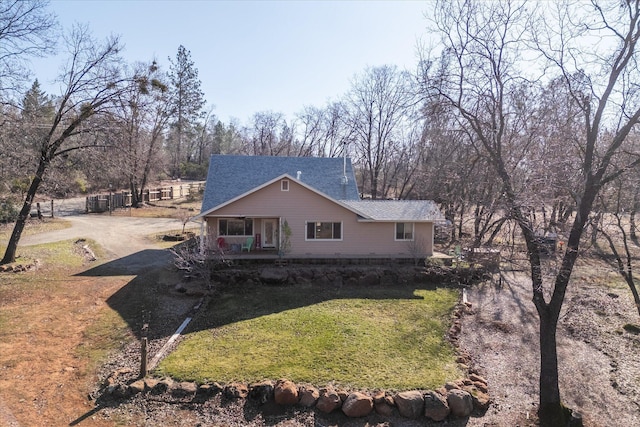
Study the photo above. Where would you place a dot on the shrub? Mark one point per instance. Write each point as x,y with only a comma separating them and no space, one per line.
193,171
8,211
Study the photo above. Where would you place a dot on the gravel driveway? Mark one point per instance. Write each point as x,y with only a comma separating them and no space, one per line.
120,236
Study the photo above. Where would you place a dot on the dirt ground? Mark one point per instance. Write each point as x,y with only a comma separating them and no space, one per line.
44,381
599,361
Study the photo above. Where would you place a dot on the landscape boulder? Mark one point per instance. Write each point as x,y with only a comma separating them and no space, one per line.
383,404
162,386
285,393
150,383
435,406
479,382
183,389
262,391
137,387
308,395
357,405
410,403
273,276
236,391
120,391
328,401
370,279
460,402
481,400
209,389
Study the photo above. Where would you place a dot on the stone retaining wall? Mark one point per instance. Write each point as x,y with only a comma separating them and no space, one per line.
384,275
458,399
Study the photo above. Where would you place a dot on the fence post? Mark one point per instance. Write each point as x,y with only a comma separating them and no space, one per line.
144,352
51,208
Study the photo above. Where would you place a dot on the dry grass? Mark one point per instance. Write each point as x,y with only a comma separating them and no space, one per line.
52,338
33,226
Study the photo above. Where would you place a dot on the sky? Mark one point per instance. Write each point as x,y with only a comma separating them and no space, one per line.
256,56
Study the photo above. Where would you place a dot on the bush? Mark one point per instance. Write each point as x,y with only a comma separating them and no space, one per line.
8,211
193,171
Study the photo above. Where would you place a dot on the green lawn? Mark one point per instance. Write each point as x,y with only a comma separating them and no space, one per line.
356,337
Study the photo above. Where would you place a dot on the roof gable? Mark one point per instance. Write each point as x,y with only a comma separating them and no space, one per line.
231,177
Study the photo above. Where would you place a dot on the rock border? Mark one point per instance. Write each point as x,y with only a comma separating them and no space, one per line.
457,399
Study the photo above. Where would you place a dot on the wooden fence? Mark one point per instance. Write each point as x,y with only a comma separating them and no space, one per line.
488,257
121,200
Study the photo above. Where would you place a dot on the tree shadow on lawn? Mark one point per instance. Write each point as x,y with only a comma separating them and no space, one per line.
249,301
150,297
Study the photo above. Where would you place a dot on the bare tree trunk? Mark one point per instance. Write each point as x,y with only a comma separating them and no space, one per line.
498,226
625,268
12,246
460,222
551,413
632,218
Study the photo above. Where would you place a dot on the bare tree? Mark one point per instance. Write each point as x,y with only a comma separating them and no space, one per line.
311,124
92,81
27,29
377,106
141,116
337,132
484,43
611,226
205,139
268,135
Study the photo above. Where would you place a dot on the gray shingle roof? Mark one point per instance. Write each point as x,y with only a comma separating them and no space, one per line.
397,210
232,176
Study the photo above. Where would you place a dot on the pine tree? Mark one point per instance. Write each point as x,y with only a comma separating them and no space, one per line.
188,101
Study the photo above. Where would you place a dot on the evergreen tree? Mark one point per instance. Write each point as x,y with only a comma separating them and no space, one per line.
188,100
37,105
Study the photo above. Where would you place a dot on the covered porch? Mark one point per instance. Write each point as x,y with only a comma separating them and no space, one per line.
238,235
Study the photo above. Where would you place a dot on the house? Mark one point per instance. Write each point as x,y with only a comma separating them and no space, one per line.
308,207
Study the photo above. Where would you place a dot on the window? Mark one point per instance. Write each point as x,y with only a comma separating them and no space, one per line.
235,227
324,231
404,231
284,185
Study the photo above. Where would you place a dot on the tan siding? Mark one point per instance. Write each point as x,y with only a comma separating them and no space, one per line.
299,205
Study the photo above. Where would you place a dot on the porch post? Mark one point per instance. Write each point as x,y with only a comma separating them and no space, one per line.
202,249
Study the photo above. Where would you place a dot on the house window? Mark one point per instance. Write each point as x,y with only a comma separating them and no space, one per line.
284,185
324,230
404,230
235,227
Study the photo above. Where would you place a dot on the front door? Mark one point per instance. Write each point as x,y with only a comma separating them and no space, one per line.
269,232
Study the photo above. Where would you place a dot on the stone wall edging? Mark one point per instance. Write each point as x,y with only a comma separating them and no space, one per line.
457,399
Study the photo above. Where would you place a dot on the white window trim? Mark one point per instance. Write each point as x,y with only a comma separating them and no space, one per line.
284,185
307,239
395,232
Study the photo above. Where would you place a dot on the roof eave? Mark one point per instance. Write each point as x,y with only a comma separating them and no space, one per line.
283,176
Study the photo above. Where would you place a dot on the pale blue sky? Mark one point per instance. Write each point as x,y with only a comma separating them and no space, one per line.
256,56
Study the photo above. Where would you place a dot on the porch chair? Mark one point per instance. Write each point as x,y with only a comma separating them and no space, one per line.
222,245
247,245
